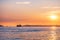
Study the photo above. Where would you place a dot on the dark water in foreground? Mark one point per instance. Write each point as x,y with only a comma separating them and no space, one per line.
30,33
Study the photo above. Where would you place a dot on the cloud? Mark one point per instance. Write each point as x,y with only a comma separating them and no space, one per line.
23,2
49,7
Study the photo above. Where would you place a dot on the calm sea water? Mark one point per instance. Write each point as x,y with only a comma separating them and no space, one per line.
30,33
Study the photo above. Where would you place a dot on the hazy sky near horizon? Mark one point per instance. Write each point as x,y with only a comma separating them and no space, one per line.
14,12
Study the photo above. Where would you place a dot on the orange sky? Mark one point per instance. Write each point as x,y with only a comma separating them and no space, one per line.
37,12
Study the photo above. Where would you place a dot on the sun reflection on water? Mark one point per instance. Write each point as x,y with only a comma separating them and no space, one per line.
53,28
53,33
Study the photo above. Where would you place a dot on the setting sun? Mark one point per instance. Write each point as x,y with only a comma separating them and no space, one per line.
53,17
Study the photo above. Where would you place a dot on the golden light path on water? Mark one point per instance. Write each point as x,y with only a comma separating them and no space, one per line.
53,33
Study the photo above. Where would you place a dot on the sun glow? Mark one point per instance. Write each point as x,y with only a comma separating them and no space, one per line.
53,17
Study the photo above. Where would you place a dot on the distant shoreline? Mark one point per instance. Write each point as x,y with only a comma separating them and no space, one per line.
32,26
39,26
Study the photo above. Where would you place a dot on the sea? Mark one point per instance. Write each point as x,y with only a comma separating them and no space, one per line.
30,33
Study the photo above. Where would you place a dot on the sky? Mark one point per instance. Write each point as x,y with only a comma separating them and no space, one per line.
35,12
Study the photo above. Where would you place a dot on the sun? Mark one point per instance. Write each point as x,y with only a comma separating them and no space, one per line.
53,17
